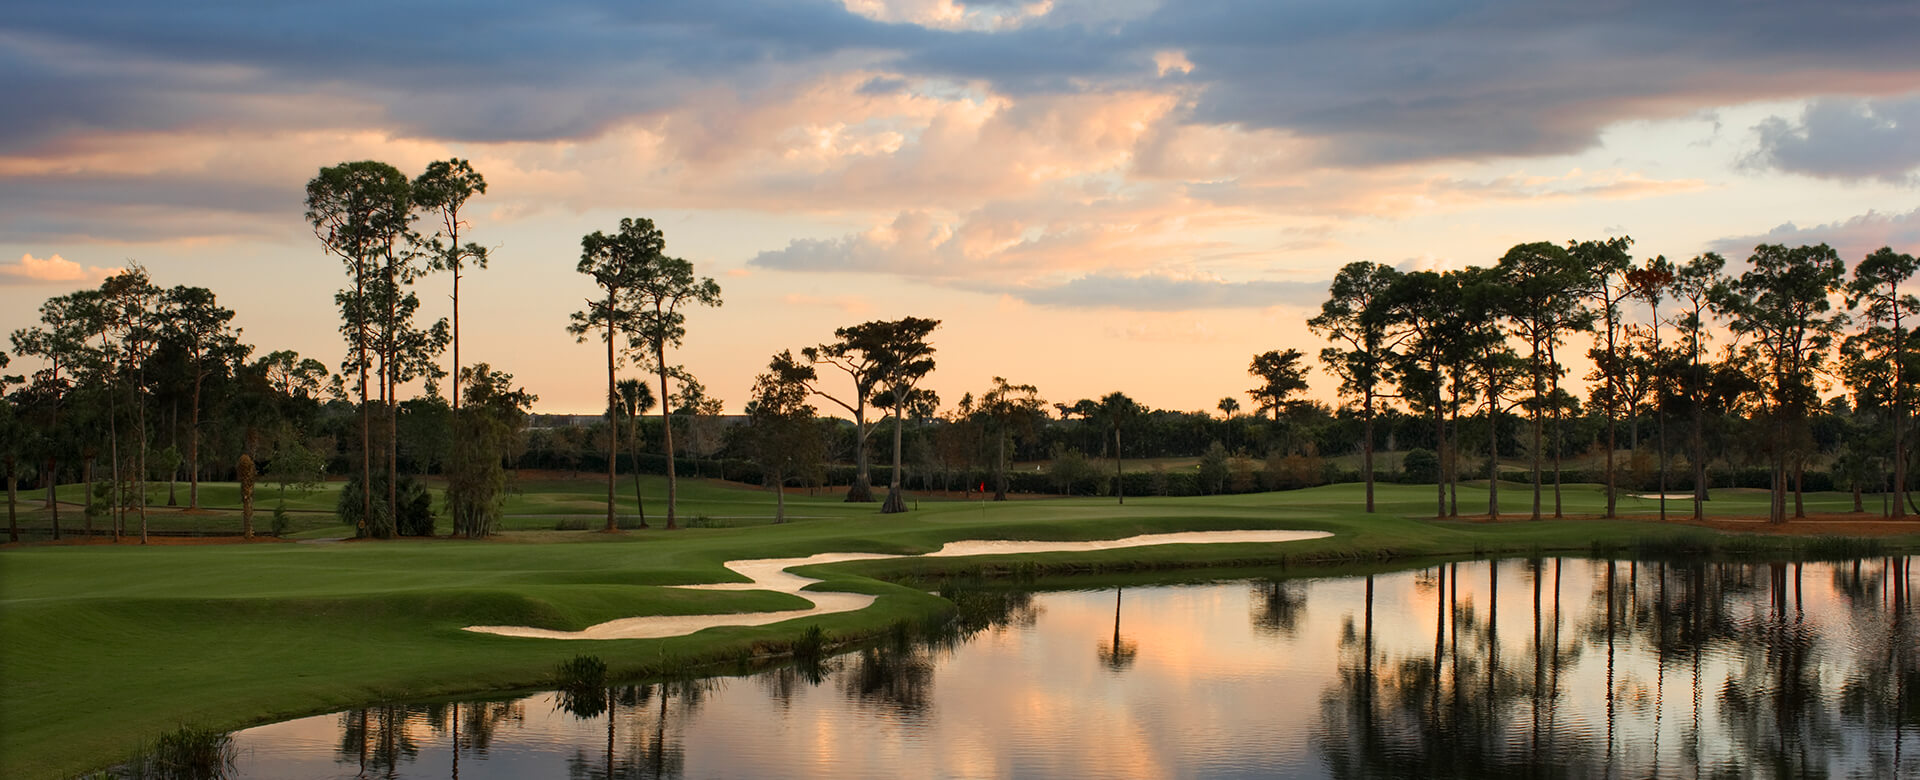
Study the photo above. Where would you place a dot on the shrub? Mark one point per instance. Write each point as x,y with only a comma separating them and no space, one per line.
188,753
1213,469
1421,465
415,508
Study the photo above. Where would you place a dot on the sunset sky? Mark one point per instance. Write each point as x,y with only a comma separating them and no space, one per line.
1090,194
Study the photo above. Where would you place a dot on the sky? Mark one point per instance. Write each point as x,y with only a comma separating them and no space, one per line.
1091,195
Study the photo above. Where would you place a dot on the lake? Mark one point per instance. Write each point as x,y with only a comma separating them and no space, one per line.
1552,668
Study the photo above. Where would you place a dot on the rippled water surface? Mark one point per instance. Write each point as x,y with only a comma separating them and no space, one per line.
1550,668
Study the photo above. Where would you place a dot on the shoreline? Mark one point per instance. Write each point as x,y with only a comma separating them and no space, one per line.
772,574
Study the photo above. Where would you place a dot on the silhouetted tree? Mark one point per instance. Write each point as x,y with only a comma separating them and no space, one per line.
616,263
1356,318
1882,347
1781,304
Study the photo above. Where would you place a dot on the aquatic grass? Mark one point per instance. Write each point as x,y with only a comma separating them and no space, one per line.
1836,548
186,753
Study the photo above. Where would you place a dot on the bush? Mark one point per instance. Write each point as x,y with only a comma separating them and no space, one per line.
1213,469
1421,465
1291,472
1070,473
1241,479
415,508
188,753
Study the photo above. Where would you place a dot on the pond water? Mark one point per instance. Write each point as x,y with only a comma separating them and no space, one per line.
1561,668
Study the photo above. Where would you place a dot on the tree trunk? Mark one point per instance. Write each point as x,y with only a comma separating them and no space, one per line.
1538,440
613,426
51,477
633,442
861,491
1366,448
1777,511
1000,477
1119,477
1698,445
246,475
1660,410
896,498
779,497
140,459
454,441
1799,483
1559,434
1493,451
1901,392
192,450
1440,454
389,370
86,477
13,521
393,448
666,434
1612,371
366,411
113,471
1452,462
173,440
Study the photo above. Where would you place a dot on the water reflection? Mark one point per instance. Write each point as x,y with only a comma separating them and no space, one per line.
1547,667
1784,694
1119,652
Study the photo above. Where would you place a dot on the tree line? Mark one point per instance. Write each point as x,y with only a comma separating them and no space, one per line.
1492,340
1446,363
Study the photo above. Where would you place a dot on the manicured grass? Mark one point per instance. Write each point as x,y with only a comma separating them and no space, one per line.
104,647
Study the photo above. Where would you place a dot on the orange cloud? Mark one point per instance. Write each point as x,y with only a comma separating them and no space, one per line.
50,270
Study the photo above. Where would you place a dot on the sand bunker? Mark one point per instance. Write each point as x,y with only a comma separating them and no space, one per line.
771,574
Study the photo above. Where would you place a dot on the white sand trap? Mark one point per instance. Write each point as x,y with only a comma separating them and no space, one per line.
771,574
1669,496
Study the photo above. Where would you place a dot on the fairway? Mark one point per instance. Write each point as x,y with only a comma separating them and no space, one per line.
110,645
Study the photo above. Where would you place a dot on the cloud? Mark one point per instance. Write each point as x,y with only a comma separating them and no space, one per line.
1853,238
53,269
1845,139
1166,293
850,304
1056,234
1380,82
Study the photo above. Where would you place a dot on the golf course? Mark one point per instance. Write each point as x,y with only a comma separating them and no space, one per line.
107,646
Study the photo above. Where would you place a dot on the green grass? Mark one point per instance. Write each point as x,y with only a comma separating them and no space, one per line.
107,647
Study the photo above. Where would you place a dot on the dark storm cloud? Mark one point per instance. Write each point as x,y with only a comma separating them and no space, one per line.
42,209
1166,293
1846,139
499,71
1378,80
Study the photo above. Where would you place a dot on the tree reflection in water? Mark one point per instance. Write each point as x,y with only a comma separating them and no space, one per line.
645,730
1541,667
1278,606
378,740
1117,653
1784,698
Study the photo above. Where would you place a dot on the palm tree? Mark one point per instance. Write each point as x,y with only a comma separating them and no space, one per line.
636,399
1115,410
1229,406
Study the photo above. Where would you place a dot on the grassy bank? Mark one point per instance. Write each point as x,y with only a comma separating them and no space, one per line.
108,646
